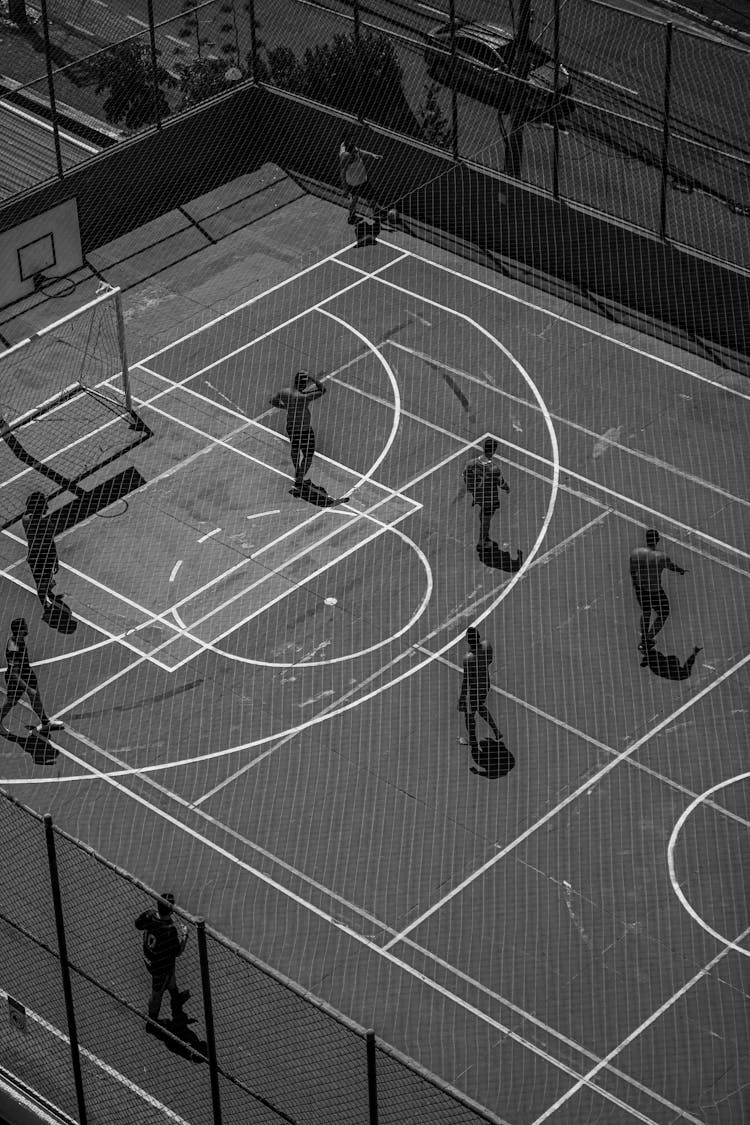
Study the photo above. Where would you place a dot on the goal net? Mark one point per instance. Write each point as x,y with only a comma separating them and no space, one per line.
65,404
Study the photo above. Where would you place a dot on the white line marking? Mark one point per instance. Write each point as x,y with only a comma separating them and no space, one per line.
609,82
671,863
209,534
133,19
555,316
175,568
259,515
586,1079
591,781
602,441
163,1110
41,124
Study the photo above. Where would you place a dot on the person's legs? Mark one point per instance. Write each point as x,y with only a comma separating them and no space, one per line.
159,983
661,609
46,724
485,517
486,714
644,602
354,194
306,456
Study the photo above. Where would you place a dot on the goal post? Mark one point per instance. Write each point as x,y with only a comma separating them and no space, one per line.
66,406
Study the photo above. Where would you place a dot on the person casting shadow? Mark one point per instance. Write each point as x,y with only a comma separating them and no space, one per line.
668,667
475,688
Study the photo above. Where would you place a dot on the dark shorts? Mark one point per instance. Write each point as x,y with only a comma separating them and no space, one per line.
475,700
652,601
302,443
161,978
360,191
15,689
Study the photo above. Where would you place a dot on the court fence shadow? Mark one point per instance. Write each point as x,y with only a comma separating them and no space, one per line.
77,989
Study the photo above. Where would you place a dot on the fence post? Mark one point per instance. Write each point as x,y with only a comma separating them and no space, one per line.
51,88
154,78
555,121
64,969
454,96
208,1016
372,1077
665,135
358,57
253,41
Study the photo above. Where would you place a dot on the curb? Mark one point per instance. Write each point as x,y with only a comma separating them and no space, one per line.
742,37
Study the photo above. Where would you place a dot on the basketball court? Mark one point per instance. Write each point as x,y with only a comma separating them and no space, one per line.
260,697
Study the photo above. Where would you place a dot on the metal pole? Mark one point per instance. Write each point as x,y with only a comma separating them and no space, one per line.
51,88
154,78
555,121
123,354
208,1016
454,96
669,28
64,969
372,1077
253,41
357,42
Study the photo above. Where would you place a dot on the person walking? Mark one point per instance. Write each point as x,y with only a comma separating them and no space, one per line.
646,566
41,549
484,480
354,178
20,679
164,940
475,688
306,388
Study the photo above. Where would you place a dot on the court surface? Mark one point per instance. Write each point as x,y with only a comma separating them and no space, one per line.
260,699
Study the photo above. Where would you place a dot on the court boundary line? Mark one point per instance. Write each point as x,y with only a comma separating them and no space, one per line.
144,1095
565,320
573,796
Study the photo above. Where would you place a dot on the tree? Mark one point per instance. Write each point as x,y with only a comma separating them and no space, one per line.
202,78
350,77
125,71
17,12
436,130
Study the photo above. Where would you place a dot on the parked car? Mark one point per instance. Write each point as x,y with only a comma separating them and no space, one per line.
483,61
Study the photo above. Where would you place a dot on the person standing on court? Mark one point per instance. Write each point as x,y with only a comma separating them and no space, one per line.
646,566
20,679
41,549
164,940
306,388
484,481
475,688
354,178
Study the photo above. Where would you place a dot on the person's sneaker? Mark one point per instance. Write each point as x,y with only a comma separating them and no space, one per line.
462,741
51,724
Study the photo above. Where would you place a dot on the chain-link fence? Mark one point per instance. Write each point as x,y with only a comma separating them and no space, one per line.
636,118
245,1046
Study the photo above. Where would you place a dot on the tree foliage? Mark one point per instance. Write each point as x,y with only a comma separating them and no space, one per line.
436,129
349,77
125,73
201,78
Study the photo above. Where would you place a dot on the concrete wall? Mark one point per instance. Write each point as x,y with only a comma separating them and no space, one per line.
144,177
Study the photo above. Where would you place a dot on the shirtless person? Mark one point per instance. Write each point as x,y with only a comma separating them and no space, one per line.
298,426
41,550
475,688
484,481
646,566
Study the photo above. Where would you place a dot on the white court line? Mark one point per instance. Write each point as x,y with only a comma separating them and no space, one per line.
591,781
586,1079
557,316
175,568
336,923
333,257
164,1111
41,124
209,535
258,515
640,454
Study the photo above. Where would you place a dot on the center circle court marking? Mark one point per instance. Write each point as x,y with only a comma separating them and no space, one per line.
671,863
327,715
209,646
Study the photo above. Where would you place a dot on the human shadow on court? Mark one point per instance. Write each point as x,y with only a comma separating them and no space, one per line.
498,559
178,1038
493,759
317,495
59,616
37,745
668,667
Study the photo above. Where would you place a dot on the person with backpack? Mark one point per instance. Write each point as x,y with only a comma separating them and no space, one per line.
164,940
484,481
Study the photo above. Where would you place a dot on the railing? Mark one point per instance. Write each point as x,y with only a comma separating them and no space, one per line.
265,1051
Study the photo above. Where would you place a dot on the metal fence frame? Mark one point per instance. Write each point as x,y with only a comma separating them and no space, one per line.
425,1090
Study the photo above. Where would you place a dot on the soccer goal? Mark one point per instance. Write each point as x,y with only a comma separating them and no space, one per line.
65,404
